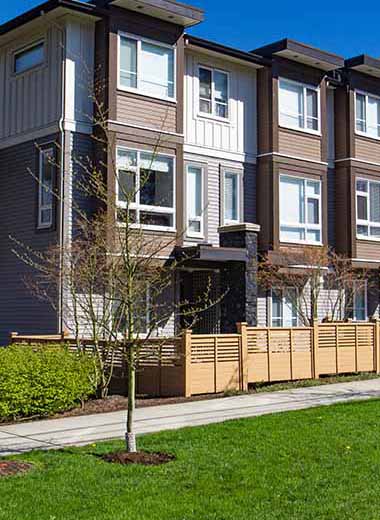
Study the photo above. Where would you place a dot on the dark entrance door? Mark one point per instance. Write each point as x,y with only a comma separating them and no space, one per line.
195,287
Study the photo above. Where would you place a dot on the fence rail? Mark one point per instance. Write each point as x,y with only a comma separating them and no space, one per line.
204,364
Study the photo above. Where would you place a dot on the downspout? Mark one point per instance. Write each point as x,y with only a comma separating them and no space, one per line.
62,187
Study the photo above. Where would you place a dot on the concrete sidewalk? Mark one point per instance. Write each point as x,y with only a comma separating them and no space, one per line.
57,433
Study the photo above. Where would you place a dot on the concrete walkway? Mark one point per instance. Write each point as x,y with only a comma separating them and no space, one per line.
56,433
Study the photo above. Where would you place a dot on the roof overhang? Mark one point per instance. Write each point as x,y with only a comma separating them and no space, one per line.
227,53
208,253
302,53
169,10
365,64
49,8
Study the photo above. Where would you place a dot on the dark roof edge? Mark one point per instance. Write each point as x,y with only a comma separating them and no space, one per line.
362,59
180,4
46,7
229,51
302,48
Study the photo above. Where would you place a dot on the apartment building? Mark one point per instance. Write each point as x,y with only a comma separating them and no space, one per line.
254,152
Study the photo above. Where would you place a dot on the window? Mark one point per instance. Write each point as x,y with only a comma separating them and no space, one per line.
213,92
146,67
231,197
367,115
29,58
145,187
299,106
195,201
360,301
46,187
368,209
300,210
141,311
284,307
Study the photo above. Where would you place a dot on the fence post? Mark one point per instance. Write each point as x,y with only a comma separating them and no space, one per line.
242,330
315,349
187,362
377,344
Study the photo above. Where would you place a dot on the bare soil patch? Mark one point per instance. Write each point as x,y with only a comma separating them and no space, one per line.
141,457
10,468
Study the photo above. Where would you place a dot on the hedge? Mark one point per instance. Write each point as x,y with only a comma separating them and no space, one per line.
43,380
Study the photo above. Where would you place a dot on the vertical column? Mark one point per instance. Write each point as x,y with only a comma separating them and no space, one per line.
187,362
242,330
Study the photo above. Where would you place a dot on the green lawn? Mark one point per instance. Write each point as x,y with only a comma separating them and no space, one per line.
321,463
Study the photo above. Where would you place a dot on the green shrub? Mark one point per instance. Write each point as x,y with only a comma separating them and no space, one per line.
43,380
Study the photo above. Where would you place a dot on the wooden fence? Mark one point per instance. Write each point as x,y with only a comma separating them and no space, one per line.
205,364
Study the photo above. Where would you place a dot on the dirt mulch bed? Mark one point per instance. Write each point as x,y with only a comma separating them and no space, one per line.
142,457
10,468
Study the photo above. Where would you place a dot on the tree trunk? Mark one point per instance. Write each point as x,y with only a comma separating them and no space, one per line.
130,436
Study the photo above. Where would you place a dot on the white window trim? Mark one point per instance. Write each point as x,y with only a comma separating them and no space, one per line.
41,208
274,289
307,227
137,90
359,132
240,195
360,222
142,207
213,115
365,287
189,233
25,49
304,86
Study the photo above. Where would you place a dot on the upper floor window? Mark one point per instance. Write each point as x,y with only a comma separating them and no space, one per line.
195,201
213,92
29,58
231,183
146,67
367,115
300,210
46,187
368,209
284,307
145,186
299,106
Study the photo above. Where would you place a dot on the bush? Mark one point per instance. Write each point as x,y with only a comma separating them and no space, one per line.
43,380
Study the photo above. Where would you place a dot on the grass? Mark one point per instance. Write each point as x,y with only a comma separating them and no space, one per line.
322,463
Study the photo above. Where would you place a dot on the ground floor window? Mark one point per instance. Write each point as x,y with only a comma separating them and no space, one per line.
360,303
284,307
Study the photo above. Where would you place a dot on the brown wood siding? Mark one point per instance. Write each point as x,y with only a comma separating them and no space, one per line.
144,112
300,145
368,250
367,149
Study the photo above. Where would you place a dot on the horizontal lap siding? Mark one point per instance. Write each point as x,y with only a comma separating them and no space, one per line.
297,145
146,113
20,311
367,150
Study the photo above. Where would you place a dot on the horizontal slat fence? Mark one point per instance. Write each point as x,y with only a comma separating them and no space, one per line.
206,364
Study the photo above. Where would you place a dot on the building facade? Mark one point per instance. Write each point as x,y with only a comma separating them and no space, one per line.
254,153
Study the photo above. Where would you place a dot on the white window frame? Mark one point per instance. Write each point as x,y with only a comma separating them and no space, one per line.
306,227
138,90
240,195
26,49
189,233
359,132
213,102
41,187
304,86
281,291
361,222
136,206
365,287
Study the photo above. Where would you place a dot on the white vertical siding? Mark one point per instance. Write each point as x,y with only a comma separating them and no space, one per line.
239,134
331,127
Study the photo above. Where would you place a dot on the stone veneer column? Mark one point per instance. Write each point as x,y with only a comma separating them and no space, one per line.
239,279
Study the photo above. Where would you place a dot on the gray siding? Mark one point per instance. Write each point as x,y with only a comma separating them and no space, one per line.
331,206
20,311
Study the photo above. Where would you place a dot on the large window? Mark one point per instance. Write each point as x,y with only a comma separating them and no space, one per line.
146,67
299,106
29,58
284,307
195,201
45,187
231,182
213,92
360,301
368,115
146,188
368,209
300,210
